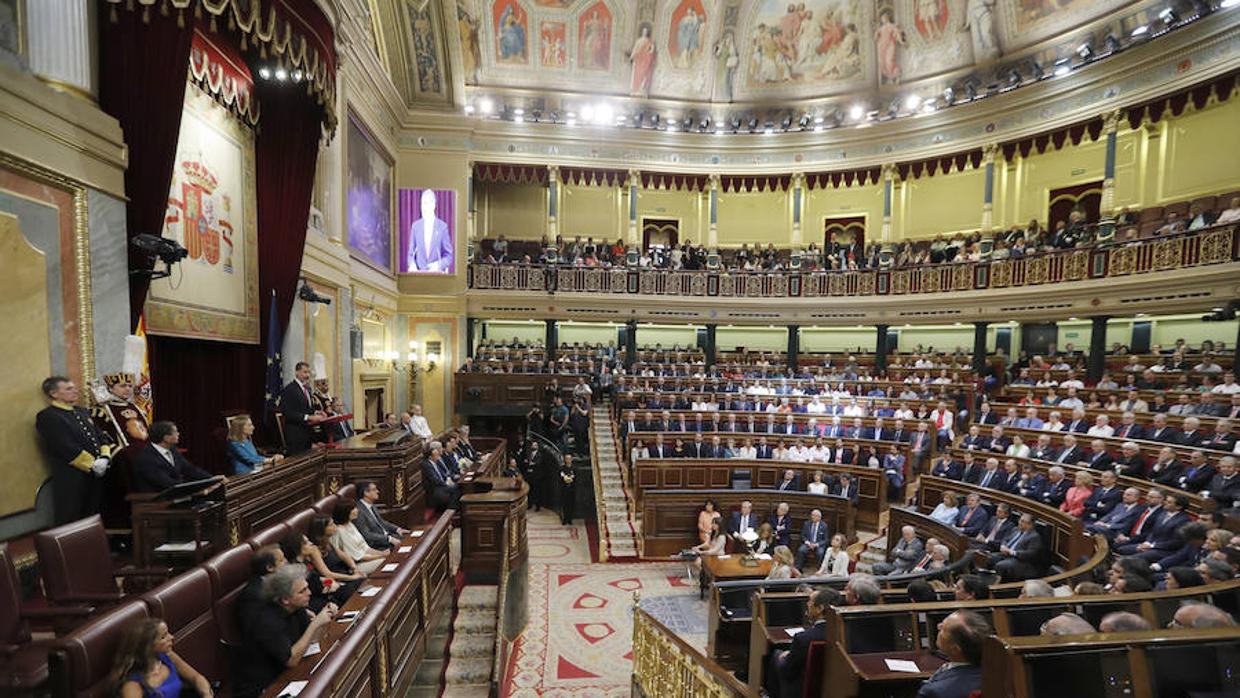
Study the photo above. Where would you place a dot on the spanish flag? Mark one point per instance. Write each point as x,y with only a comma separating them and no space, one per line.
136,363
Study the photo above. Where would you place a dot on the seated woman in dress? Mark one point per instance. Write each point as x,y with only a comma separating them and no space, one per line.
835,559
145,665
350,543
784,567
1074,501
765,545
1018,448
716,545
946,511
818,486
709,513
242,454
326,585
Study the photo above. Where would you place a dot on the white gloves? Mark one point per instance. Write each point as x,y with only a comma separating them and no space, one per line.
99,467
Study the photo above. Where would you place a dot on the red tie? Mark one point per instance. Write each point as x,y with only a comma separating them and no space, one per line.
966,516
305,392
1137,526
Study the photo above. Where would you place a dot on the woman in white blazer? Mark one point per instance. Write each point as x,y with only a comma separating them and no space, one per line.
835,559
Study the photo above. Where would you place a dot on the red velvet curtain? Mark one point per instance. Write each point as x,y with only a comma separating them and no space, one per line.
145,96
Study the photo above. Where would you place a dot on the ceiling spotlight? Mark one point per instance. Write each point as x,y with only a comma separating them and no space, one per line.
281,74
719,131
912,102
604,113
1112,44
949,95
819,119
1062,67
770,129
856,112
570,120
1013,78
1169,16
296,76
818,128
1140,31
469,109
264,73
485,105
803,122
1085,51
518,112
587,112
1228,4
517,118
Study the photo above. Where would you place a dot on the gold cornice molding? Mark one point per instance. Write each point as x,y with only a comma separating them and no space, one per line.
823,151
1179,291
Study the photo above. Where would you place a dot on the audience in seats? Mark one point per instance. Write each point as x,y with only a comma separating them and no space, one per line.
788,666
947,510
146,665
907,551
347,542
379,533
783,564
1023,555
266,560
971,587
281,632
327,586
835,560
813,539
960,638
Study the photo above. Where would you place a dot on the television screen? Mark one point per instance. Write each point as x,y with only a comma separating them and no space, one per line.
427,219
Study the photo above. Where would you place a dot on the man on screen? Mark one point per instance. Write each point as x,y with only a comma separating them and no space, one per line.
430,242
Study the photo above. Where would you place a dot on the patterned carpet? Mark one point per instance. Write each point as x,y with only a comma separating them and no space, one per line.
579,638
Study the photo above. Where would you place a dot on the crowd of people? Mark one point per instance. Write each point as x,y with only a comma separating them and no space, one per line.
850,252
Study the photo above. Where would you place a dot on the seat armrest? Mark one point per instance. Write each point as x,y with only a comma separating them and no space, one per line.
143,572
53,612
80,599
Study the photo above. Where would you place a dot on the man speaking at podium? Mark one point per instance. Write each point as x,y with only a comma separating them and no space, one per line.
299,411
159,465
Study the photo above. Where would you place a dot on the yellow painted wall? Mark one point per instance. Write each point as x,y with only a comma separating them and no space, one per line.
1054,170
763,338
941,204
516,210
938,337
667,335
687,206
506,330
846,201
755,218
591,211
588,332
837,339
1200,153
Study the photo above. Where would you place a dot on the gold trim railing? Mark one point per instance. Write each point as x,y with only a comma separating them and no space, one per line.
665,666
1216,245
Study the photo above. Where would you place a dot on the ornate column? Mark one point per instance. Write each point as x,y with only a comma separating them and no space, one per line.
979,346
797,191
889,182
471,206
62,39
988,192
1097,363
553,200
635,180
880,348
1111,127
712,236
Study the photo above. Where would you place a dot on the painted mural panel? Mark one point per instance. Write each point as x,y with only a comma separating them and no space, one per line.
553,44
594,35
511,23
810,43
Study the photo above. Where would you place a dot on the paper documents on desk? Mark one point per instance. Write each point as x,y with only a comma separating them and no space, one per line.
312,650
793,632
417,534
390,567
722,557
762,556
185,547
902,665
369,591
404,548
293,688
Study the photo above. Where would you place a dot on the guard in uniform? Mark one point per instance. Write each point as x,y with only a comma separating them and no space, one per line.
80,452
568,494
118,416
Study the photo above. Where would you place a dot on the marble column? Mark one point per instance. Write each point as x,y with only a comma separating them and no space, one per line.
635,180
889,179
988,190
553,201
61,36
797,191
1111,128
712,235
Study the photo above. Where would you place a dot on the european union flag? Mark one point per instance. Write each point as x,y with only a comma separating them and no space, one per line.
275,375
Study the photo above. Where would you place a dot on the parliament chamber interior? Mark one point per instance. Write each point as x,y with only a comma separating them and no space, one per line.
656,348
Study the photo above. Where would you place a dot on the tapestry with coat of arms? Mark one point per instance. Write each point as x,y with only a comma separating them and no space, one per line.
212,213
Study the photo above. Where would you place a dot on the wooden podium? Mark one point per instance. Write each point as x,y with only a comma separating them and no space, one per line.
392,458
492,527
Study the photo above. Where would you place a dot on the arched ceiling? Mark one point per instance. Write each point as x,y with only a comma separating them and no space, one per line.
751,53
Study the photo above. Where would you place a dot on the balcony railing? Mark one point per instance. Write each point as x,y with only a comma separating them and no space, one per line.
1194,249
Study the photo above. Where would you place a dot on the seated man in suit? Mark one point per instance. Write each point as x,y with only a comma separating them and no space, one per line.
1224,488
743,520
814,538
1161,538
159,465
443,488
904,554
379,533
1221,439
972,518
1198,474
1121,517
992,477
1056,488
781,522
997,530
1023,556
946,467
1130,461
791,482
845,487
788,666
961,637
281,632
1167,468
266,560
1103,499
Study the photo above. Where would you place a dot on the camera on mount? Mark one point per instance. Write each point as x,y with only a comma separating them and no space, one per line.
164,249
309,295
1221,314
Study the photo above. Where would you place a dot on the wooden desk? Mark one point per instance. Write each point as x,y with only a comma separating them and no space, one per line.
851,675
396,469
492,526
729,568
202,521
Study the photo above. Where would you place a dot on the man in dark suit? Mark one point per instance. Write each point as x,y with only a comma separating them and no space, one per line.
1148,515
1121,518
781,521
1192,436
743,520
904,554
845,487
992,477
997,443
298,408
1056,488
985,415
1070,454
1023,555
1221,439
1103,499
970,469
961,637
1160,432
813,538
1098,458
1160,539
791,482
946,467
1197,474
763,450
1224,487
973,441
1032,482
628,426
788,667
445,493
997,530
159,465
1167,468
972,518
693,449
1043,450
379,533
79,450
900,434
1190,553
1128,428
1130,462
